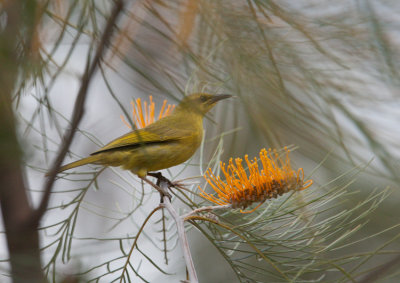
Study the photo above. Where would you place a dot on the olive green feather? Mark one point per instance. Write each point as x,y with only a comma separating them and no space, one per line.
163,144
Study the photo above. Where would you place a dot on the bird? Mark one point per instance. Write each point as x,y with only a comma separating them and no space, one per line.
165,143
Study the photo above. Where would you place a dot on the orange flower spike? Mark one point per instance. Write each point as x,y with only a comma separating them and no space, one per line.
241,189
231,182
244,174
231,168
229,174
146,114
288,168
147,107
169,109
152,107
143,114
259,179
228,179
255,177
306,184
211,197
233,189
162,109
250,211
223,192
139,116
266,162
206,196
250,166
134,119
215,183
237,191
241,174
279,173
125,122
218,184
250,186
217,201
166,110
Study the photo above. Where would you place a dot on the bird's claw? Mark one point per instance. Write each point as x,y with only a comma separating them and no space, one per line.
161,179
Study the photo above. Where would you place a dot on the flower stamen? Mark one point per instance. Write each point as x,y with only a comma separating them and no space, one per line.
143,114
241,189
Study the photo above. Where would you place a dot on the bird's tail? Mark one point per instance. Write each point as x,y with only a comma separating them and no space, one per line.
84,161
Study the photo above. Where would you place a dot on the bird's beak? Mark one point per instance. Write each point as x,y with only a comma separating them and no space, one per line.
219,97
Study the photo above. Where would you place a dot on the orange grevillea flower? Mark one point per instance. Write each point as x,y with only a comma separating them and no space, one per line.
144,114
241,189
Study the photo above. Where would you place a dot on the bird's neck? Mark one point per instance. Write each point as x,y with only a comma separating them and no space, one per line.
189,117
189,108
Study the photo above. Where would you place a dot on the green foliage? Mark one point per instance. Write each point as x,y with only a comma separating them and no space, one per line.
318,75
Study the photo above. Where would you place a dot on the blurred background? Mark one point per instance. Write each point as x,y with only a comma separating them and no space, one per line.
318,76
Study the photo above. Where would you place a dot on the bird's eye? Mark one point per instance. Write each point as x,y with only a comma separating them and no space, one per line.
203,98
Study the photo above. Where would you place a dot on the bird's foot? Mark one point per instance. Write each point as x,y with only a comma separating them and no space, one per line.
163,183
160,178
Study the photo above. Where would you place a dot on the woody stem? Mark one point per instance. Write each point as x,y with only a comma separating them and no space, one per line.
181,234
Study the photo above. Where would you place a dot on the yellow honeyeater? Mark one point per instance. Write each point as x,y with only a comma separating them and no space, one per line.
163,144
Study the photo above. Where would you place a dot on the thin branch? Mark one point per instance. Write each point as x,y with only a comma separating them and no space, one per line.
161,190
164,237
136,239
206,208
78,110
192,218
182,236
162,187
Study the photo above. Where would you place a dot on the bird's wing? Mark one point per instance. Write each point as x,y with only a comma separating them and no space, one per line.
157,133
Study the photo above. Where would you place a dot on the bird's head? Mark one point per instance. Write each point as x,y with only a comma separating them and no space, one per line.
201,102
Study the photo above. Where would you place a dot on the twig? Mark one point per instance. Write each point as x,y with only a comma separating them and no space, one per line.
252,245
164,237
205,208
181,234
136,239
163,191
78,111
